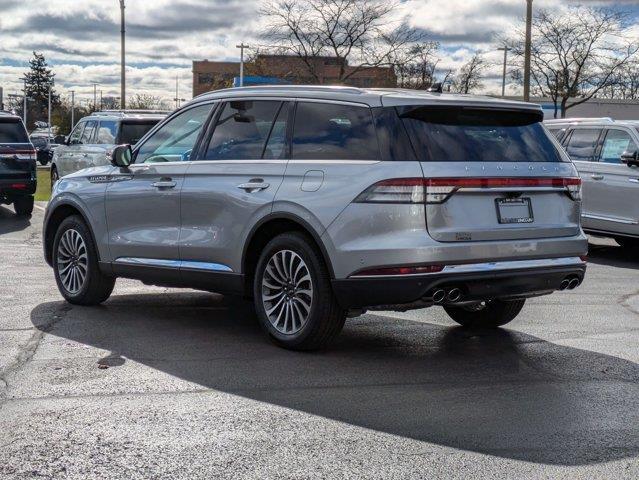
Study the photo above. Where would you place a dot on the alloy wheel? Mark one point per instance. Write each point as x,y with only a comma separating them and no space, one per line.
73,261
287,292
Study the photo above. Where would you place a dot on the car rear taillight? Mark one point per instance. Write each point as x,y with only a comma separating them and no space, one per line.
25,154
438,190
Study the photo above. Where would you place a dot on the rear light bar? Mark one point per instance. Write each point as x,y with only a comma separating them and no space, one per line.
20,154
438,190
386,272
18,186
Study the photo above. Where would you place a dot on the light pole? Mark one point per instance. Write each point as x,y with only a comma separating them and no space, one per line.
95,97
72,109
24,103
241,46
503,82
527,53
49,114
122,57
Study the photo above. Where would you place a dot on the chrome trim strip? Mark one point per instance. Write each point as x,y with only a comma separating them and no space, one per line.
609,219
186,264
492,267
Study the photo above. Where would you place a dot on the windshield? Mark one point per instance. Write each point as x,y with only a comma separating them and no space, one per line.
12,131
458,134
131,132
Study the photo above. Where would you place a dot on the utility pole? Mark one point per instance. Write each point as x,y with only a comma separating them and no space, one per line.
177,92
241,46
101,107
122,57
529,12
49,114
24,104
72,109
503,82
95,97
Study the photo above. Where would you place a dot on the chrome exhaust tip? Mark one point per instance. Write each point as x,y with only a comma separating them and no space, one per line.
564,284
439,296
574,283
454,295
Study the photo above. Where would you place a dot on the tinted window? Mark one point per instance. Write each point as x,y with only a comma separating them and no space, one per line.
583,143
454,134
174,141
325,131
242,129
132,132
12,131
107,132
89,129
617,142
74,138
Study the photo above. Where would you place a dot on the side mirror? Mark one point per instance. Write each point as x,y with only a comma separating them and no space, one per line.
630,158
121,156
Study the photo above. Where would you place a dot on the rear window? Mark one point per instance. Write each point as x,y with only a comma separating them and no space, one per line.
327,131
453,134
12,131
132,132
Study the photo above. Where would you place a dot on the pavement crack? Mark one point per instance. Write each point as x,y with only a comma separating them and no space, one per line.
626,302
28,350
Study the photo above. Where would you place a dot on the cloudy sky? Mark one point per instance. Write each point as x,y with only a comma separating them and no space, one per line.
80,38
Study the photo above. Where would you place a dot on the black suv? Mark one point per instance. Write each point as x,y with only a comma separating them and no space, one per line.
17,165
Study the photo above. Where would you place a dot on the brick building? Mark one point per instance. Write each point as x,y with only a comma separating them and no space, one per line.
290,69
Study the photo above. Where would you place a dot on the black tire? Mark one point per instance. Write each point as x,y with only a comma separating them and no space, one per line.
325,319
96,287
54,175
493,314
628,242
23,205
43,161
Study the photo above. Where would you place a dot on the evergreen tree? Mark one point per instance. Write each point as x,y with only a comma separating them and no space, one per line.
38,80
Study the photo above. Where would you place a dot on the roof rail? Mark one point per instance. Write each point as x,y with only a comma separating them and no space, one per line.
104,113
308,88
582,120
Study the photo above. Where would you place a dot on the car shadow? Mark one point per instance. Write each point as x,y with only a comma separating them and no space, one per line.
500,392
613,256
10,222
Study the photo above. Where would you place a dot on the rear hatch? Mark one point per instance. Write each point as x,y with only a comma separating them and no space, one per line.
492,174
17,156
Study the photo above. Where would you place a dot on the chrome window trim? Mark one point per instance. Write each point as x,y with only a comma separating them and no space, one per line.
623,221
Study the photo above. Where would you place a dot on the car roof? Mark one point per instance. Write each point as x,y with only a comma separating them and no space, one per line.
129,114
4,114
604,121
374,97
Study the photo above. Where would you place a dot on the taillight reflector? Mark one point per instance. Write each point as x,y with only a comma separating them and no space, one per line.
393,271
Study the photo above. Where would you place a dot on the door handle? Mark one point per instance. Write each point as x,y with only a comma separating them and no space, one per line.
595,176
633,180
164,183
254,185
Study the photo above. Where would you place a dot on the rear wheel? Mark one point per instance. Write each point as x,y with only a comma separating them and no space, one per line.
75,263
23,205
488,314
293,295
54,176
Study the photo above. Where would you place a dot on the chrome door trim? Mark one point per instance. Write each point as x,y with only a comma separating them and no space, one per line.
623,221
174,264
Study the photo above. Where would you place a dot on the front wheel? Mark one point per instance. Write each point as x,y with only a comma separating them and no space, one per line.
488,314
75,264
293,295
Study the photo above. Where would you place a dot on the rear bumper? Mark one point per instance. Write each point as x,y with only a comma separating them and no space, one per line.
9,188
480,281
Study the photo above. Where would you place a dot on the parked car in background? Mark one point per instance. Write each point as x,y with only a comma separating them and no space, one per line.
45,144
17,165
95,136
606,154
324,202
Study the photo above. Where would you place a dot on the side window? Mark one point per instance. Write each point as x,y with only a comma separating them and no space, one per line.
242,130
325,131
107,132
276,145
174,141
558,132
74,138
583,143
617,142
89,129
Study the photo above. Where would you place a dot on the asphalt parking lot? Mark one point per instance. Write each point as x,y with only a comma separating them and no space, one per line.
179,384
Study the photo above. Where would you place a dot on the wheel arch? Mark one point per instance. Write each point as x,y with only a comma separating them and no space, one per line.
268,228
53,221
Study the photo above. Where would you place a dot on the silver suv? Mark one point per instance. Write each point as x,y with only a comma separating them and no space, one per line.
606,154
94,136
324,202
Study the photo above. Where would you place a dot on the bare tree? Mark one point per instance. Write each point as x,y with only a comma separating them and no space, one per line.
360,30
575,54
470,75
625,84
143,101
415,66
